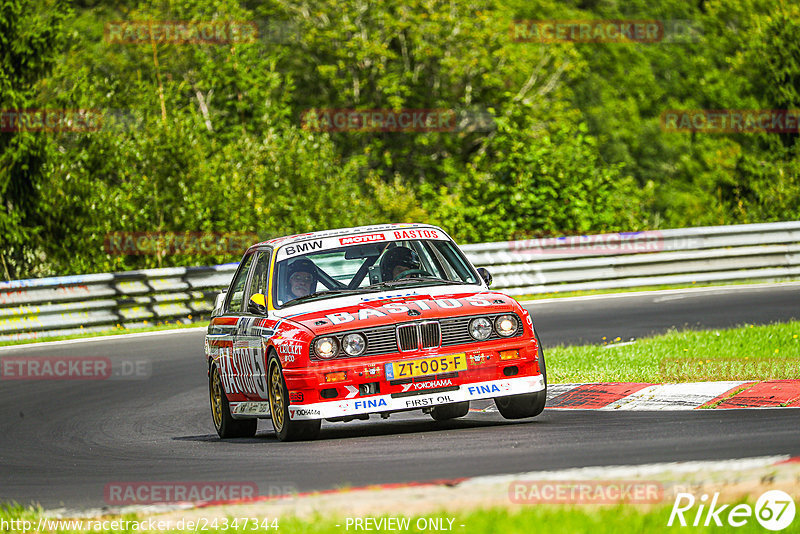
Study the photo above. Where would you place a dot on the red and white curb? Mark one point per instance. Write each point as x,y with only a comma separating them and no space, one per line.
685,396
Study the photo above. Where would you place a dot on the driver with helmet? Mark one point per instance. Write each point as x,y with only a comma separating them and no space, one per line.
397,261
301,279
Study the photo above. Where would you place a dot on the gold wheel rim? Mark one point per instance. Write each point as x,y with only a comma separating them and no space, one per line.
216,399
276,397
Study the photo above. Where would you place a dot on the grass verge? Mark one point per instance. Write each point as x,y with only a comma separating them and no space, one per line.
745,353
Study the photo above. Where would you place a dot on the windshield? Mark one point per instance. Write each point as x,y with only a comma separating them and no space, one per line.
364,267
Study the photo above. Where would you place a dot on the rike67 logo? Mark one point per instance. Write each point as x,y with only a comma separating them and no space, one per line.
774,510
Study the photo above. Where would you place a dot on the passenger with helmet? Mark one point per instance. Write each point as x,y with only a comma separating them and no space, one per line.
397,261
301,279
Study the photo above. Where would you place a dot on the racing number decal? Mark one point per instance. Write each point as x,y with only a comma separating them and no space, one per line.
243,371
258,371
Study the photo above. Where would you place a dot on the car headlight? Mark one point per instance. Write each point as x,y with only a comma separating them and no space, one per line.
506,325
354,344
480,328
326,347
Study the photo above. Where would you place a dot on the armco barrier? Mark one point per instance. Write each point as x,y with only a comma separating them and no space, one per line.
769,251
65,305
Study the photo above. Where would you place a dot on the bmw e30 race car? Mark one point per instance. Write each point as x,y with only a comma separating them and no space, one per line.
341,324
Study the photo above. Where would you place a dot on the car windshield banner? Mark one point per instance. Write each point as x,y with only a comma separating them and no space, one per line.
329,243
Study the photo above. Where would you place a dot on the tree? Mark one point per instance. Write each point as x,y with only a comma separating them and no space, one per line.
31,36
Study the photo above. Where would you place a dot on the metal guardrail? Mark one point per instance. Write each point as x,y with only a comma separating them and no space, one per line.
769,251
67,305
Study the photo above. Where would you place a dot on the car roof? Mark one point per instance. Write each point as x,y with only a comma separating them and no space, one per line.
289,239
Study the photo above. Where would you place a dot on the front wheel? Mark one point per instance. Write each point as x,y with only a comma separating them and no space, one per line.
285,428
450,411
527,404
226,425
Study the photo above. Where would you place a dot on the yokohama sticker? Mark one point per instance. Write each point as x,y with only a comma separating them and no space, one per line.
302,412
430,384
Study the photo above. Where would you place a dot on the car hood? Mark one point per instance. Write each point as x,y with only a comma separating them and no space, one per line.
391,307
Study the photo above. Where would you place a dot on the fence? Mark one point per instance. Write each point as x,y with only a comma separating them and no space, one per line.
71,304
67,305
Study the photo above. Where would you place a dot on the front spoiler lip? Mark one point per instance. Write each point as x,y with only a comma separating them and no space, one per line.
386,403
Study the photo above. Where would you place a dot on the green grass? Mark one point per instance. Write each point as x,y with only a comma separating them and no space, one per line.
745,353
115,331
521,519
562,294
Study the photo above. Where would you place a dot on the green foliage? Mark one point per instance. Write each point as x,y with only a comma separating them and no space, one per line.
208,137
30,35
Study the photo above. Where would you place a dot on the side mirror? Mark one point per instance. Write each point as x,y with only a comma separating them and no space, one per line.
257,304
219,302
487,277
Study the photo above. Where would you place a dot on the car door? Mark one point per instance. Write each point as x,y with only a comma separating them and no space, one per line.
233,361
253,326
222,330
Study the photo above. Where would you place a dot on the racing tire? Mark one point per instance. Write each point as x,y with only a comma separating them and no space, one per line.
528,404
285,428
226,425
446,412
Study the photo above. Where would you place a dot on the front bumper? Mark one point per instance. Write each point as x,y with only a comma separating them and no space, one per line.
398,402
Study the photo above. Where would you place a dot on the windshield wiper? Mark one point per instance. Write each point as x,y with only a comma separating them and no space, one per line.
389,284
438,279
424,279
326,294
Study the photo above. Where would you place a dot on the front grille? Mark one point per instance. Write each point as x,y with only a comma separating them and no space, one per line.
431,336
380,341
407,337
455,331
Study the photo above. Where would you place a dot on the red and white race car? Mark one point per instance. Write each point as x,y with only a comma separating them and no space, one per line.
341,324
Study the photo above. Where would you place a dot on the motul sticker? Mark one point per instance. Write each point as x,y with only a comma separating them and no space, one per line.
356,239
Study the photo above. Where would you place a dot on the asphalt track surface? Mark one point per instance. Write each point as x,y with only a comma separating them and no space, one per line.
62,442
